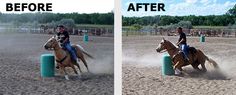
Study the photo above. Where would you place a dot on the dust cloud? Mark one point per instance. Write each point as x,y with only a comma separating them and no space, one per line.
226,64
152,59
104,65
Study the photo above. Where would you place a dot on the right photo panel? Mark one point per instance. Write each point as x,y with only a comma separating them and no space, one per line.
178,47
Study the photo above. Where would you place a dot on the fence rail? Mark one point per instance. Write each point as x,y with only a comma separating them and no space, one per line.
190,32
74,31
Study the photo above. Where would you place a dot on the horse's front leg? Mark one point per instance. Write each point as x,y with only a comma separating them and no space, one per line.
73,67
177,68
65,73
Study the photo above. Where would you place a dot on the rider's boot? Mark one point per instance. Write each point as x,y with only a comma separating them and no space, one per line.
74,55
187,58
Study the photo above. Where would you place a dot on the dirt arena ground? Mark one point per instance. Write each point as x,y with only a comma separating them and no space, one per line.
141,68
20,67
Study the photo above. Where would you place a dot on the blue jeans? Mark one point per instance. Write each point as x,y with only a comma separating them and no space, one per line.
184,48
68,47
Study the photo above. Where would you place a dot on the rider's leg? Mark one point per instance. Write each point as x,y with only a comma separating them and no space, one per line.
69,48
185,50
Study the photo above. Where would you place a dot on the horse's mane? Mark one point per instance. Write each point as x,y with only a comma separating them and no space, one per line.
170,43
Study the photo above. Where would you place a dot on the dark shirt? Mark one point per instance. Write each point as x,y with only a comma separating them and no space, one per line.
62,36
182,36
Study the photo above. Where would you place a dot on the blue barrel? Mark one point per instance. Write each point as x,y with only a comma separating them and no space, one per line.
202,38
86,38
167,66
47,65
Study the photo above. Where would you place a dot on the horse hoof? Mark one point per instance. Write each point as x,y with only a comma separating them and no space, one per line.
177,72
66,77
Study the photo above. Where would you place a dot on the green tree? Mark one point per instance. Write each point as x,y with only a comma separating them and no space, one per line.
136,27
69,23
232,11
185,24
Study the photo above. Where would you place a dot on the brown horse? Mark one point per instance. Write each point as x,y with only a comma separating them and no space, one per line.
196,57
63,58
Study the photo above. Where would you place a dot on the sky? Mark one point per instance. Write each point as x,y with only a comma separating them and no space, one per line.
68,6
182,7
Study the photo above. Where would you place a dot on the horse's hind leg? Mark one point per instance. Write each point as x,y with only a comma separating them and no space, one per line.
73,67
195,66
201,59
203,66
85,63
81,57
77,64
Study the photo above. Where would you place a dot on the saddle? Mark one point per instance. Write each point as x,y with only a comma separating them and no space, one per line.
74,50
191,50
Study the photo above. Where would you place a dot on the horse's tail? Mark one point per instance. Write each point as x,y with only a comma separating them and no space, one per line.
212,62
85,52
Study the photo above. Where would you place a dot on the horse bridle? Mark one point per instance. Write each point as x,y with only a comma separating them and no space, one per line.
169,50
52,46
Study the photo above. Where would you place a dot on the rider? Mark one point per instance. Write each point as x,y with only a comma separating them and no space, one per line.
182,42
64,39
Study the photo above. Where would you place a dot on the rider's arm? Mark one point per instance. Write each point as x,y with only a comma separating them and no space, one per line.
65,40
180,42
67,37
182,39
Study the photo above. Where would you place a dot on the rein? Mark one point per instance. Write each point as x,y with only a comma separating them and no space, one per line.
174,54
171,48
166,50
57,60
60,61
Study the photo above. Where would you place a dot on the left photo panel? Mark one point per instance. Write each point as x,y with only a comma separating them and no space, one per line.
52,47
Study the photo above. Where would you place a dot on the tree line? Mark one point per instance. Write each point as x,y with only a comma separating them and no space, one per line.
226,19
211,20
42,18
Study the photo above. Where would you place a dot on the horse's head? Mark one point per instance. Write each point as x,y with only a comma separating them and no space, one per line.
51,43
162,46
